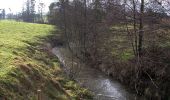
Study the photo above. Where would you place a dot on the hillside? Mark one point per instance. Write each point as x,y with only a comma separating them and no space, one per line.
27,66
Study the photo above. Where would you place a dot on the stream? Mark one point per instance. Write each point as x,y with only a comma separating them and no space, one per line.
103,86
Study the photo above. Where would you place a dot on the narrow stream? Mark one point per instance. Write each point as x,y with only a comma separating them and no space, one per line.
104,87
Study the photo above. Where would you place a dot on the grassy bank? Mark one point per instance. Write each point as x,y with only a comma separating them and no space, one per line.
27,66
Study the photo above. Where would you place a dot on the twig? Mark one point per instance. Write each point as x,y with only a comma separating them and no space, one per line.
151,80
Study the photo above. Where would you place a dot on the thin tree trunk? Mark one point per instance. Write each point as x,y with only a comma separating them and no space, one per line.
134,26
141,29
127,29
85,26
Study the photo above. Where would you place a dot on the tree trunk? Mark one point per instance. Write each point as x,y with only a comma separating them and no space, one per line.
141,29
135,29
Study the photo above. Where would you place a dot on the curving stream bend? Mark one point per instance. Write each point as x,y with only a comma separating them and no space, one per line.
104,87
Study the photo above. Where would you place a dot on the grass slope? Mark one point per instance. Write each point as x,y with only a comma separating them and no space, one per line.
26,67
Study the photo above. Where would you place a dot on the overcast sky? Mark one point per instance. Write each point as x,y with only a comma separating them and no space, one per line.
16,5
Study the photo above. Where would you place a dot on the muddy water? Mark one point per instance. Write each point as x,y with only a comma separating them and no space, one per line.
104,87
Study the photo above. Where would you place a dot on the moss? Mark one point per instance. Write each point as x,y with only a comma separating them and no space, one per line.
77,92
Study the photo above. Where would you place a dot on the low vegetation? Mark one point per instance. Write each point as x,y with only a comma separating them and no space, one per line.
27,67
149,74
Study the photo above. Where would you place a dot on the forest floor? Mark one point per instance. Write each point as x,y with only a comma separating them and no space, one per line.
27,65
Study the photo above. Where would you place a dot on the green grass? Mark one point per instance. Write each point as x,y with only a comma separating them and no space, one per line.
12,38
25,67
121,42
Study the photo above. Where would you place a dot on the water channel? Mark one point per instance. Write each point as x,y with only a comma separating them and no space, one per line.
103,86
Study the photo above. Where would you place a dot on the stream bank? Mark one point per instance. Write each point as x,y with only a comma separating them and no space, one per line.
103,86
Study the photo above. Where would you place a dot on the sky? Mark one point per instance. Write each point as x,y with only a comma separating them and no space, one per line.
16,5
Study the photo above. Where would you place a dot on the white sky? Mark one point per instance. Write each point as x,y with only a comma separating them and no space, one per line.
16,5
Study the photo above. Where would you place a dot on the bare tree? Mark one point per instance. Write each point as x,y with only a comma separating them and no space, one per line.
141,29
